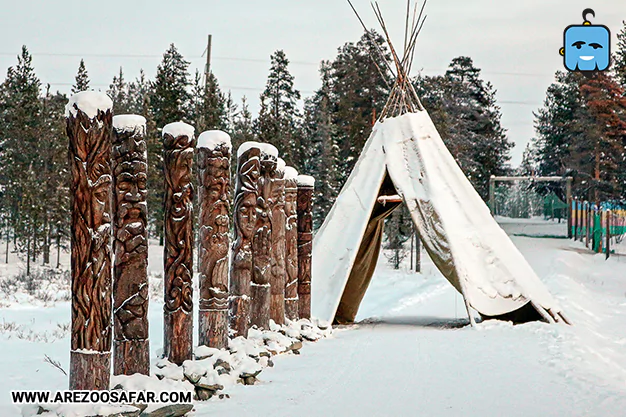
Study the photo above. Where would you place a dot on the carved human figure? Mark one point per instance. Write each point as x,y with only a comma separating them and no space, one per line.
179,146
214,200
130,274
291,244
278,273
305,243
262,242
89,123
245,222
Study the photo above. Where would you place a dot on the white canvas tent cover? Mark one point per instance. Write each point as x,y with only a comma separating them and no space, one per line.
455,226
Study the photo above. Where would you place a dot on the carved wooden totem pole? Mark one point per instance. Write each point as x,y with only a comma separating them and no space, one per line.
178,154
214,149
291,244
245,218
305,244
131,349
262,242
89,119
278,276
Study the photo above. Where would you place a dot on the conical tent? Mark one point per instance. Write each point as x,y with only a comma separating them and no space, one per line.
405,155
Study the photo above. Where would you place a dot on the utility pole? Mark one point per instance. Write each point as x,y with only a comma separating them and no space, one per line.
207,67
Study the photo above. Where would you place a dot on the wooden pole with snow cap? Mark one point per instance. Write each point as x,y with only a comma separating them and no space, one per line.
291,243
89,122
244,218
278,277
178,154
214,151
131,347
262,242
306,185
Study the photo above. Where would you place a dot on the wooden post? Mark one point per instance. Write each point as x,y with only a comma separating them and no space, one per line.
178,152
608,233
306,185
568,197
89,119
492,195
575,218
214,151
291,243
278,277
412,245
418,253
262,242
589,223
131,348
245,217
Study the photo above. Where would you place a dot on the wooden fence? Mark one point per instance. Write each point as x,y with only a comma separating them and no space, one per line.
598,226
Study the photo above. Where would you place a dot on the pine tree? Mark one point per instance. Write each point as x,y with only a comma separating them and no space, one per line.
119,93
243,126
139,92
208,104
279,118
398,229
81,80
170,101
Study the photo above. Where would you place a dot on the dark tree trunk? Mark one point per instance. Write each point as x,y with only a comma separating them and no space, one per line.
90,162
46,241
214,200
245,218
262,246
305,245
131,349
178,253
278,277
291,249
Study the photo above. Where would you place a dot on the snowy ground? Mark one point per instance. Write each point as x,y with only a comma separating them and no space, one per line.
535,227
412,353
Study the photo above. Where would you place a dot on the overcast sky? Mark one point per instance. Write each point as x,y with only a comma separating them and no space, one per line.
515,43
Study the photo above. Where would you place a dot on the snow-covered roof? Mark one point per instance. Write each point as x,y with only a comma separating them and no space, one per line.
306,180
179,129
89,102
129,122
291,173
214,138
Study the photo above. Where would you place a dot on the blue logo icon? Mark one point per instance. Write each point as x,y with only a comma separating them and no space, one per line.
587,47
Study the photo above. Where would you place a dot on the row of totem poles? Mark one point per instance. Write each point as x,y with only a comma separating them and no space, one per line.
267,276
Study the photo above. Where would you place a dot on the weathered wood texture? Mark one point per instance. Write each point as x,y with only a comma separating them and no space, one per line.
245,218
305,246
131,349
262,246
278,276
291,249
178,155
90,164
214,201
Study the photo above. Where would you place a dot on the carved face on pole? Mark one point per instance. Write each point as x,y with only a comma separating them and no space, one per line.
217,176
246,199
131,191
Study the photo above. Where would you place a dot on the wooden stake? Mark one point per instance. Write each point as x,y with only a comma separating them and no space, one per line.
214,201
291,245
131,350
262,243
90,190
245,218
278,277
179,146
305,244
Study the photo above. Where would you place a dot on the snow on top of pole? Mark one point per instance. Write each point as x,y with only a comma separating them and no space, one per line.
212,139
129,122
305,181
179,129
246,146
89,102
291,173
281,165
269,149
